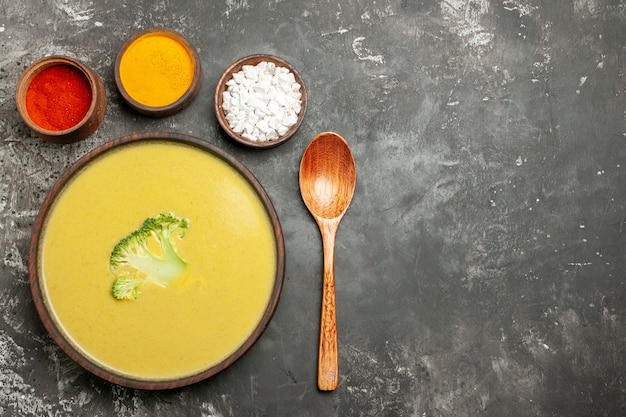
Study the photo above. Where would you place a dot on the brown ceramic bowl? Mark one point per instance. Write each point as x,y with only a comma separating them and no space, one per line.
184,99
227,75
121,324
82,129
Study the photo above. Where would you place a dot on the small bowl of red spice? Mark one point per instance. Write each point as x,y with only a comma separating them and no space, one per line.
61,99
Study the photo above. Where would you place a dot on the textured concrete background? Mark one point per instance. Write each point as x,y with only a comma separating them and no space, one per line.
481,266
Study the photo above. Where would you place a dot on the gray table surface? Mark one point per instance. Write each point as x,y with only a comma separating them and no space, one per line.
480,268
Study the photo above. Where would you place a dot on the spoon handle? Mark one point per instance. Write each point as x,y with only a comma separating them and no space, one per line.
327,365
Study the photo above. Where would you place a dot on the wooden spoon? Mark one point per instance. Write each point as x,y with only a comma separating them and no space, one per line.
327,181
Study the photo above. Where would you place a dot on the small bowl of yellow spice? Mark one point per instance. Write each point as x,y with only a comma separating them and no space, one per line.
158,72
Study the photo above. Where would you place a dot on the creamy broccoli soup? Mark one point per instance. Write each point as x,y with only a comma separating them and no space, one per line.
202,316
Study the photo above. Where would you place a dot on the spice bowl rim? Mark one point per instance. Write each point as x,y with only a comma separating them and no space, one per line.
185,99
92,119
227,75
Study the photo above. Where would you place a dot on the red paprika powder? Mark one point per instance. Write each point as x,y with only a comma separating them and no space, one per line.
58,97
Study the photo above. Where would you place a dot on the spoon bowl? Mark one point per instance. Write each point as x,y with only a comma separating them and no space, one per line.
327,182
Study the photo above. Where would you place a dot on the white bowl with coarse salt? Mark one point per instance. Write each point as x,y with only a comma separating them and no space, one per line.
260,101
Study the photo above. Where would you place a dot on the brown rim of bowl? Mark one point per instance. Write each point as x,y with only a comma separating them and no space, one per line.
37,293
94,116
221,87
184,100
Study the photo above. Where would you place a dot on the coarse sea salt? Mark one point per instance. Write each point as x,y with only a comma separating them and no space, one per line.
261,102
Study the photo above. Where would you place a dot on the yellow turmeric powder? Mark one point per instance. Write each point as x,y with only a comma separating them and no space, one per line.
156,69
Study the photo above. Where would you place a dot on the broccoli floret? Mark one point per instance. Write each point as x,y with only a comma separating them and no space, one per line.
126,288
136,259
